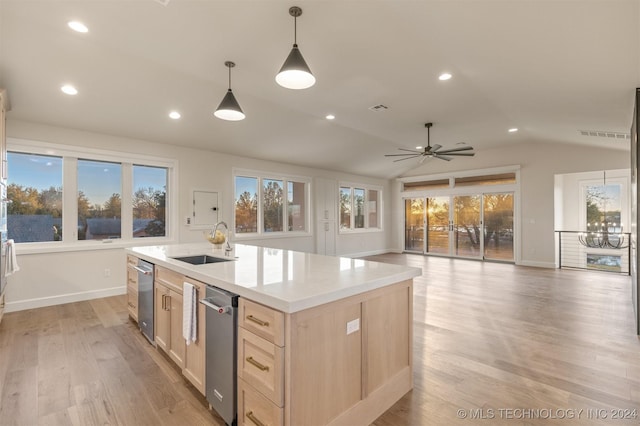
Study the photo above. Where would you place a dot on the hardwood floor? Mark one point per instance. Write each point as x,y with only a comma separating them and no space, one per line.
506,345
512,345
86,364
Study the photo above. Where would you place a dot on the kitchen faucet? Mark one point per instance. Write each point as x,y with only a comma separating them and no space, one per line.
227,247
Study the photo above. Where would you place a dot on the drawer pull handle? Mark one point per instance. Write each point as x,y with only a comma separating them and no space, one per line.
254,419
258,321
255,363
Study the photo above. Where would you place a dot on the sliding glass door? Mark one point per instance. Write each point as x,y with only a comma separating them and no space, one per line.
466,228
477,226
414,224
438,228
498,226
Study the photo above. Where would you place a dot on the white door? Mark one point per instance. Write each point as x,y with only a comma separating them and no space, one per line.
326,191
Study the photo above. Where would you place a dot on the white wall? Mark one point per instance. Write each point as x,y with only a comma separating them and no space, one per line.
52,278
539,163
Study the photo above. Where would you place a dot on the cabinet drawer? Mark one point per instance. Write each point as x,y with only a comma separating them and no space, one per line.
132,277
132,301
132,260
261,364
171,279
263,321
254,409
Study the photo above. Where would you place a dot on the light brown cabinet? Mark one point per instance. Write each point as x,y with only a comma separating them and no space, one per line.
132,287
195,356
1,306
168,314
261,357
342,363
168,295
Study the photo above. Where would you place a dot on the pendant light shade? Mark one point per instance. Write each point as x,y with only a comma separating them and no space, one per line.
229,109
295,73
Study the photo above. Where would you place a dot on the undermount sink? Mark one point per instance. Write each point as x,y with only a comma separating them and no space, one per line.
201,259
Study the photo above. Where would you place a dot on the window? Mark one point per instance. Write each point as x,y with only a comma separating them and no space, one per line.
149,201
108,196
272,204
34,189
262,207
246,209
99,200
360,208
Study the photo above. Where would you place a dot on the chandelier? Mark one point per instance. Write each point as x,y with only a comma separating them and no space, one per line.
603,234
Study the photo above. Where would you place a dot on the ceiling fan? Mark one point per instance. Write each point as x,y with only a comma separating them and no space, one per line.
433,151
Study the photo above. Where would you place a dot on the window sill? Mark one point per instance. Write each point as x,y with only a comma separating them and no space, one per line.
359,231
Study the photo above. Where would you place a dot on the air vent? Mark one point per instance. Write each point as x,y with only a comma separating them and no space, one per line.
605,134
379,107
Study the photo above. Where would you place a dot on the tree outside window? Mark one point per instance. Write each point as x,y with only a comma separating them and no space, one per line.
34,190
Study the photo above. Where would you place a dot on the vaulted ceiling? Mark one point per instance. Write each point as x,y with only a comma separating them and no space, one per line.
550,69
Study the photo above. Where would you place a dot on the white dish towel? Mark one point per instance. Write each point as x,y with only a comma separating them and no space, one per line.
11,261
189,313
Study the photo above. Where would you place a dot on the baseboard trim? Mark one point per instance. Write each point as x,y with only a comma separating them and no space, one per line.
22,305
551,265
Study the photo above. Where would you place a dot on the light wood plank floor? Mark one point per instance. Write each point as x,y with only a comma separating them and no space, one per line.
500,342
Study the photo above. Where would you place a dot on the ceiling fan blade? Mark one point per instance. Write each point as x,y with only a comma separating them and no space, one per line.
408,158
435,147
398,155
409,150
443,157
462,148
460,154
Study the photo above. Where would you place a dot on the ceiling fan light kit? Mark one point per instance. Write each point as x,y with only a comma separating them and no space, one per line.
433,151
295,73
229,109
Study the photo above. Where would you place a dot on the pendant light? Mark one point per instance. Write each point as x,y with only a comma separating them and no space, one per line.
229,109
295,73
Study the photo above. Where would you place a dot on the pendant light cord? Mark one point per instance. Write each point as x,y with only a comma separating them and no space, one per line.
295,30
229,77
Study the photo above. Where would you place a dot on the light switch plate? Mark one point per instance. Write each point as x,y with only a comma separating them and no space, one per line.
353,326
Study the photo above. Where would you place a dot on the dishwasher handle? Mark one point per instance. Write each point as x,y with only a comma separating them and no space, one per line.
219,309
144,271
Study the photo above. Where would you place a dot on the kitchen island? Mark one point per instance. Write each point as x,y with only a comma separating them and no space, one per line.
321,339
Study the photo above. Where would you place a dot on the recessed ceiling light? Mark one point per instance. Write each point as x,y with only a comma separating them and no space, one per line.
69,89
418,147
445,76
174,114
330,117
78,27
513,130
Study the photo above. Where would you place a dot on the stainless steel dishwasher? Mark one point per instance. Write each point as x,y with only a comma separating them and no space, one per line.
145,298
222,340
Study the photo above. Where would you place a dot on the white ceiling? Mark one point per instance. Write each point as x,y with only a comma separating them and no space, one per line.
549,68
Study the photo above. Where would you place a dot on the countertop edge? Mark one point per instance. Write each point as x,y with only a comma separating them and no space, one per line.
273,301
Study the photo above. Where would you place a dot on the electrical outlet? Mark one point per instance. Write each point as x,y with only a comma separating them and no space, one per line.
107,273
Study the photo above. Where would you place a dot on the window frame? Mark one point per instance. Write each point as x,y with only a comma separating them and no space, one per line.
70,155
260,233
379,209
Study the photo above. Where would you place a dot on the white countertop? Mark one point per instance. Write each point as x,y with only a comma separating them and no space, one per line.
285,280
